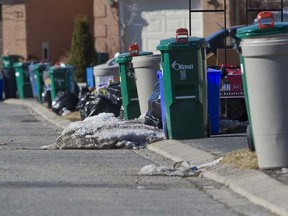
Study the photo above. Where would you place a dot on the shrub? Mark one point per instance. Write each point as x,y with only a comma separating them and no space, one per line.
82,53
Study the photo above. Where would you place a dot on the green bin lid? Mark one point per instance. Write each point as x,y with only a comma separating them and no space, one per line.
126,57
18,64
21,65
171,44
255,31
60,69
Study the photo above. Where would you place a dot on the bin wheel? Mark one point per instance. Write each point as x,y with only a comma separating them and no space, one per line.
251,146
208,127
165,130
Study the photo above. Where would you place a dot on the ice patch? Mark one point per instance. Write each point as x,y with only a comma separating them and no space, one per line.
104,131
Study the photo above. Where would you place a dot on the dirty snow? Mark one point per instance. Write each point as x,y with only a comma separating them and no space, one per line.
153,169
181,168
104,131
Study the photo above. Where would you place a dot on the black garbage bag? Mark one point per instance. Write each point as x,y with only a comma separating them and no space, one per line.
63,102
46,96
113,93
86,102
153,117
109,101
104,105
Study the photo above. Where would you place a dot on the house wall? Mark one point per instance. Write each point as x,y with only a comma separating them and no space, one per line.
27,27
14,29
213,21
106,27
51,24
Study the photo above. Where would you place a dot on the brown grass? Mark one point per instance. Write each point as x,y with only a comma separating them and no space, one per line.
241,159
73,116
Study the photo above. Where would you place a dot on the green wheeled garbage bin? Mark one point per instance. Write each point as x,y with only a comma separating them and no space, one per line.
264,57
9,80
130,101
62,79
185,86
23,83
39,70
9,60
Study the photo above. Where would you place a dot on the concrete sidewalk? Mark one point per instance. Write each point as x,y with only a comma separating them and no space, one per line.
255,185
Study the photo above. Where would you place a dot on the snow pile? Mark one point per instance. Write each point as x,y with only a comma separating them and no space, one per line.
104,131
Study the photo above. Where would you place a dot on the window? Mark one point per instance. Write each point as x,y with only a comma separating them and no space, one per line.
45,51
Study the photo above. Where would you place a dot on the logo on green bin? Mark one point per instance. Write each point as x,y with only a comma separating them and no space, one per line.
182,68
59,82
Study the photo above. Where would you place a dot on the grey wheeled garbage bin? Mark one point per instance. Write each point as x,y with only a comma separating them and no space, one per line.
265,55
145,68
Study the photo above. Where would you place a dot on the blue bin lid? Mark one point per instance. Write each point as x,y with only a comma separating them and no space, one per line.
212,70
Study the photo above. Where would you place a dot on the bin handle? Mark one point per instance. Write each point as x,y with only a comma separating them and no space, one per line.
182,35
265,15
134,49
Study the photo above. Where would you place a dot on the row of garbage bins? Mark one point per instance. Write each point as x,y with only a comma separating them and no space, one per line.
185,96
25,79
178,77
189,92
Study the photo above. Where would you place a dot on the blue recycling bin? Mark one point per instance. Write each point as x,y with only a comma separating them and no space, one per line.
162,103
90,79
32,75
213,85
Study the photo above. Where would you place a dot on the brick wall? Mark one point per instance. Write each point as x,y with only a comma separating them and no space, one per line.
14,29
106,27
27,26
213,21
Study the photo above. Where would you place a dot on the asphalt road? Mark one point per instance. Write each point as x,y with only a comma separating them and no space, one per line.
95,182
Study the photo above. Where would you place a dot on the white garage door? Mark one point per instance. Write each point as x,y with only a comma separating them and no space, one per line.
149,21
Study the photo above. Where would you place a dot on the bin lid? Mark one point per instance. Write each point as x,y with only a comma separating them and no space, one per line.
265,27
21,64
106,70
172,44
8,57
40,65
126,57
255,31
212,70
60,69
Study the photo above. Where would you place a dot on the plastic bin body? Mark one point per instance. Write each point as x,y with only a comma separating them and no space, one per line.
185,87
9,80
145,68
90,77
23,80
104,74
162,102
39,70
130,101
264,64
62,79
32,75
213,85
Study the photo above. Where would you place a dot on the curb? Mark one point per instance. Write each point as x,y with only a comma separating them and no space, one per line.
254,185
